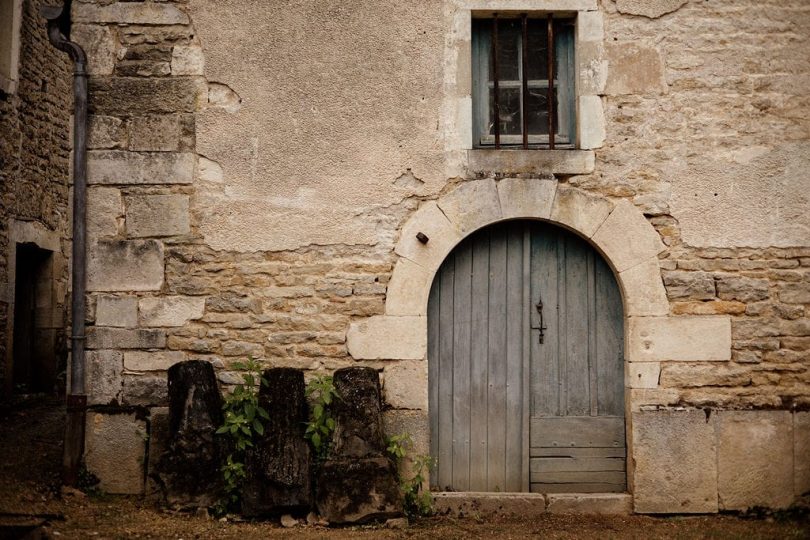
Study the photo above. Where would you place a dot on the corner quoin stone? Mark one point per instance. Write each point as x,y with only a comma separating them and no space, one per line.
170,310
654,339
103,377
119,311
157,215
104,208
675,462
132,265
152,360
121,167
388,338
115,450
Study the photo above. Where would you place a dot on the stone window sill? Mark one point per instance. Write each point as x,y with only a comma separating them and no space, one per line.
519,161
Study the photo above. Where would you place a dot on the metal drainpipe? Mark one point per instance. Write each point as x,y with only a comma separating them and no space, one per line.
58,18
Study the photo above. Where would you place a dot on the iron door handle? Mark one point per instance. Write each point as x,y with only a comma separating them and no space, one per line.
542,327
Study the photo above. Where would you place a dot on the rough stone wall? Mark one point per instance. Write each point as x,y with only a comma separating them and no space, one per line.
234,212
707,118
34,151
767,294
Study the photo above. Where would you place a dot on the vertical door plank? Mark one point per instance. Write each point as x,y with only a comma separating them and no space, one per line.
514,357
445,455
562,327
434,321
545,396
576,328
479,350
593,392
496,414
461,366
526,356
609,342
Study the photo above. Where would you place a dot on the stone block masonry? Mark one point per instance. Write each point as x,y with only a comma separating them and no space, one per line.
34,169
232,218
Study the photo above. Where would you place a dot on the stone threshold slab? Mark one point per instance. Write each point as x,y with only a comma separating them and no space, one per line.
478,504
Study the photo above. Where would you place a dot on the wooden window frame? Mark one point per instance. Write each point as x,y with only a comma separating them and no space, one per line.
561,62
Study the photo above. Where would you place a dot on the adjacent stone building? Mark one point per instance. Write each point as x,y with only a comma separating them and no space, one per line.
284,181
35,105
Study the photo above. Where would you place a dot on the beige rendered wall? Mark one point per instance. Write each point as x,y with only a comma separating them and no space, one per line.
256,170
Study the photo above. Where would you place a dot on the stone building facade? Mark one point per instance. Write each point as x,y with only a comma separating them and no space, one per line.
259,173
35,105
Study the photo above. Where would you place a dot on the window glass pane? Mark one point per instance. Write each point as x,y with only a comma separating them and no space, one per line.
564,47
510,111
509,37
538,49
537,109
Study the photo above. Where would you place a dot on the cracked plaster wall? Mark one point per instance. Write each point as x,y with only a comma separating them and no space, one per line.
337,104
705,106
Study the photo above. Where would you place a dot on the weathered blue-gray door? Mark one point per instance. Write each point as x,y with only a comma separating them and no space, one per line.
525,365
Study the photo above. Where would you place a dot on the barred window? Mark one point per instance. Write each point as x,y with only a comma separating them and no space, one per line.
523,89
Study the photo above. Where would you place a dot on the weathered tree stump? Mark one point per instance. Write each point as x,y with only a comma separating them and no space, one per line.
188,472
358,481
278,466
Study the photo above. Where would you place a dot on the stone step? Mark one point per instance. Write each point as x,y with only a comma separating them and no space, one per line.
477,504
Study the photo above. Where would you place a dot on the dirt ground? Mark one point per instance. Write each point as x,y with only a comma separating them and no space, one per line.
30,456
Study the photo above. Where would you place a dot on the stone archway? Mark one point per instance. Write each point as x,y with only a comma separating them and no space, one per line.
618,230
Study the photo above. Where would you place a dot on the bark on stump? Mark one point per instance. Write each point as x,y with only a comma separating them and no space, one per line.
278,477
188,472
358,481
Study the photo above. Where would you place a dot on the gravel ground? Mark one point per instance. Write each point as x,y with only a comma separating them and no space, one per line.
29,496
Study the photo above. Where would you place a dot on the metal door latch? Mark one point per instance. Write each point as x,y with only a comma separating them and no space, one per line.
542,327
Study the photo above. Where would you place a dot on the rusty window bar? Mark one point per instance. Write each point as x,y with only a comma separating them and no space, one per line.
495,81
524,101
550,95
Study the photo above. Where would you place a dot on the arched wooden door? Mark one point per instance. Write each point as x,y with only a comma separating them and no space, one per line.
526,368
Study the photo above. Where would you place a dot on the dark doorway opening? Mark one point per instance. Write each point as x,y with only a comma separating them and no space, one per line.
34,358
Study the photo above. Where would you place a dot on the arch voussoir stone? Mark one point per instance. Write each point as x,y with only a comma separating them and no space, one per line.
626,238
472,205
619,230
